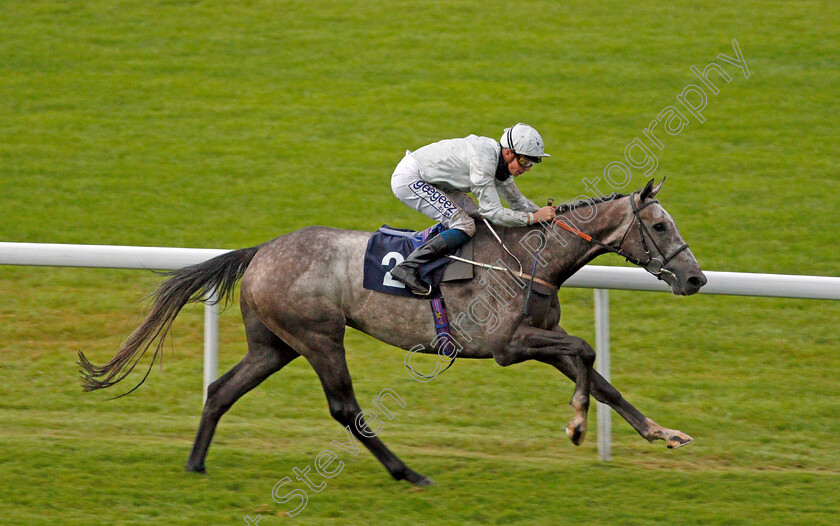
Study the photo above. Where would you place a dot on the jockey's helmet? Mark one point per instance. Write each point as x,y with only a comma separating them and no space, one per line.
524,140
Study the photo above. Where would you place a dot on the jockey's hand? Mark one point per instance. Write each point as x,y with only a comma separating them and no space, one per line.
546,213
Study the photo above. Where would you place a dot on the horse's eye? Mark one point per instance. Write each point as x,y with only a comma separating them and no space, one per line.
660,227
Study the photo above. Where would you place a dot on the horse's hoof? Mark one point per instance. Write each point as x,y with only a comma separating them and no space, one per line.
196,469
414,478
425,481
678,440
576,433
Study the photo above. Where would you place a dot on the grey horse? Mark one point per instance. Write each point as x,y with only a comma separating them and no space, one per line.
299,291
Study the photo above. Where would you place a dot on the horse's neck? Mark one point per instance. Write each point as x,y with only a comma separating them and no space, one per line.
611,220
565,253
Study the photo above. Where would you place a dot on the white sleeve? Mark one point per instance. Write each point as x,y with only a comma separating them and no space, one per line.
510,193
483,187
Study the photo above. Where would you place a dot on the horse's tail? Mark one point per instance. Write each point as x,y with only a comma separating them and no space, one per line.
186,285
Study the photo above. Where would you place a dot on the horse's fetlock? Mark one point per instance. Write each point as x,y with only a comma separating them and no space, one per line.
399,472
653,431
579,403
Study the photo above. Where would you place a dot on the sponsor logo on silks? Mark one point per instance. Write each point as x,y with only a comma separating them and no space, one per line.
434,197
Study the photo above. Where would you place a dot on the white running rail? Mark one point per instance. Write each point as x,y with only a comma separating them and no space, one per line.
595,277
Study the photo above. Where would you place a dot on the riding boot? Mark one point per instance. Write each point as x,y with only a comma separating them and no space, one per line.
406,272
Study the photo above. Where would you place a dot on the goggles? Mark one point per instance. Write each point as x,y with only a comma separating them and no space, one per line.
525,161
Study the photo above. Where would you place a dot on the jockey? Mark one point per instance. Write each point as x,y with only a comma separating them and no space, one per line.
433,178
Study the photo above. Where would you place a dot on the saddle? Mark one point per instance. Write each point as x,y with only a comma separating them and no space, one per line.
388,247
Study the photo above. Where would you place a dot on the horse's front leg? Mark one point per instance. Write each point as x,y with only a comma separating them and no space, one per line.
530,343
605,393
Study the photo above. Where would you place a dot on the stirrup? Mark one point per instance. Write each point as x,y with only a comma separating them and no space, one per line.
414,290
406,280
421,294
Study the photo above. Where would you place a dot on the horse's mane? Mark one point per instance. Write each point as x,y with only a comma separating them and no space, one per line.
567,207
563,208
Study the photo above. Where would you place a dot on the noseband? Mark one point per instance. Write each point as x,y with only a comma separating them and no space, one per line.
654,265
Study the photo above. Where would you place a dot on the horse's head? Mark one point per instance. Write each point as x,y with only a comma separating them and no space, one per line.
654,242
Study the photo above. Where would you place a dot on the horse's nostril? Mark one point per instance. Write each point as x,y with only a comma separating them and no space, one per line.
696,281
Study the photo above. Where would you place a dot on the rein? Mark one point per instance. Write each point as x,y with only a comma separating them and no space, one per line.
519,274
654,265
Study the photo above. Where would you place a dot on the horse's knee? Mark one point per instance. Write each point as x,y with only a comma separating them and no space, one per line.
503,357
215,407
586,353
588,356
213,389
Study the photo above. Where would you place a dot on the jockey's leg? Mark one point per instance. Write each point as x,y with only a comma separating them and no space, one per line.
433,202
440,245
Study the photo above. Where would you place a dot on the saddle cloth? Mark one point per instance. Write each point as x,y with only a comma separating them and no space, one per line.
388,247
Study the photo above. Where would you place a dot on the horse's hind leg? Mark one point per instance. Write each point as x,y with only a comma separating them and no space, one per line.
326,355
266,355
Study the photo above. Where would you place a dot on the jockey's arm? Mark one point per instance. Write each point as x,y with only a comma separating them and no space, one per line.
490,206
510,192
483,187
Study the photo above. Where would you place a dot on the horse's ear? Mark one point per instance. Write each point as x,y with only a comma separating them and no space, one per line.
650,190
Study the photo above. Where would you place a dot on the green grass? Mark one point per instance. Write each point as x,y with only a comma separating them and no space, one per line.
222,125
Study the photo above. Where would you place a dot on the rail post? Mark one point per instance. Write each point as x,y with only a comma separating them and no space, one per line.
211,340
602,365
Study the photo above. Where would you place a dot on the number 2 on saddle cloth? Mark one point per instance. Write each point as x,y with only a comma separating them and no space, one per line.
387,248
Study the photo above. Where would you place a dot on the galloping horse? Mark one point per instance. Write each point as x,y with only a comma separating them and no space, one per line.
300,290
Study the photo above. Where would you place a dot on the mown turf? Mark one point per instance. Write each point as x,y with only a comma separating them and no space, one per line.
221,125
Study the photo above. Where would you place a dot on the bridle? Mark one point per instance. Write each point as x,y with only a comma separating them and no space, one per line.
654,265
